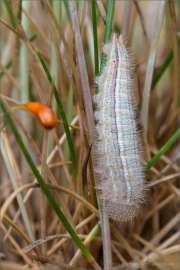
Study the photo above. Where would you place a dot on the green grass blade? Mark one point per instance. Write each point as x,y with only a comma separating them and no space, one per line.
63,116
162,69
162,150
96,60
11,15
109,19
33,37
104,218
41,182
14,183
3,126
67,9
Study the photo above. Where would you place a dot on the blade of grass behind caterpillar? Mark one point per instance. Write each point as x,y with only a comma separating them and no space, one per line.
84,170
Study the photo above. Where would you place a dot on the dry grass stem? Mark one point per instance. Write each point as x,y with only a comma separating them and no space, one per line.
69,36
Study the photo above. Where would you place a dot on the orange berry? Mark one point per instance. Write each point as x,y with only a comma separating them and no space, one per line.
44,114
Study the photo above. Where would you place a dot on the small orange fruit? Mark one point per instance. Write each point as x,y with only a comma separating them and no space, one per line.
44,114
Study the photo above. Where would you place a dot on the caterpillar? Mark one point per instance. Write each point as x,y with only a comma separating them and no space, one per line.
118,143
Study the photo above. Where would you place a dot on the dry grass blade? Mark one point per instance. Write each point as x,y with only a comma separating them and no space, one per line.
162,180
150,68
55,40
34,185
35,26
102,10
38,88
11,78
43,198
61,140
176,53
141,17
171,250
20,232
52,262
10,27
37,152
163,232
63,160
15,244
72,126
11,167
168,166
147,244
159,206
69,36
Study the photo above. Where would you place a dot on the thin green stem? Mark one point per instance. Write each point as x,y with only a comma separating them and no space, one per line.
11,15
15,186
34,36
3,126
63,116
107,34
162,150
67,9
44,187
162,69
96,60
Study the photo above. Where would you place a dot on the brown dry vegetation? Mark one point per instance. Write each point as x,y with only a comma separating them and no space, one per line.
151,241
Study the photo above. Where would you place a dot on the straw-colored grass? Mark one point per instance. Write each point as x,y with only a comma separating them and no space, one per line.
64,34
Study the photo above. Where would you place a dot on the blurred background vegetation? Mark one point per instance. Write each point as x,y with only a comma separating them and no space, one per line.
151,241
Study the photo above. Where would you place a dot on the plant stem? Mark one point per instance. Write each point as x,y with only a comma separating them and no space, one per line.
150,67
162,150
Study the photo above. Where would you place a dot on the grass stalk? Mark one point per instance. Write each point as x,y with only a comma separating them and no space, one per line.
42,195
176,96
63,116
68,56
13,179
107,34
44,187
7,66
162,69
69,118
24,77
163,150
96,55
11,15
56,7
150,67
88,239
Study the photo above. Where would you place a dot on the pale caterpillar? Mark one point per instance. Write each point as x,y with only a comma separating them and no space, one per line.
118,141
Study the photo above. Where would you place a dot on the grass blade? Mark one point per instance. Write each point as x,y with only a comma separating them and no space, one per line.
7,66
162,69
44,187
63,116
67,9
15,186
96,60
107,34
11,15
162,150
150,67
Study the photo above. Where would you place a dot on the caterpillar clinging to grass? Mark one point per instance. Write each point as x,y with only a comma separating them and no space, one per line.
118,141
